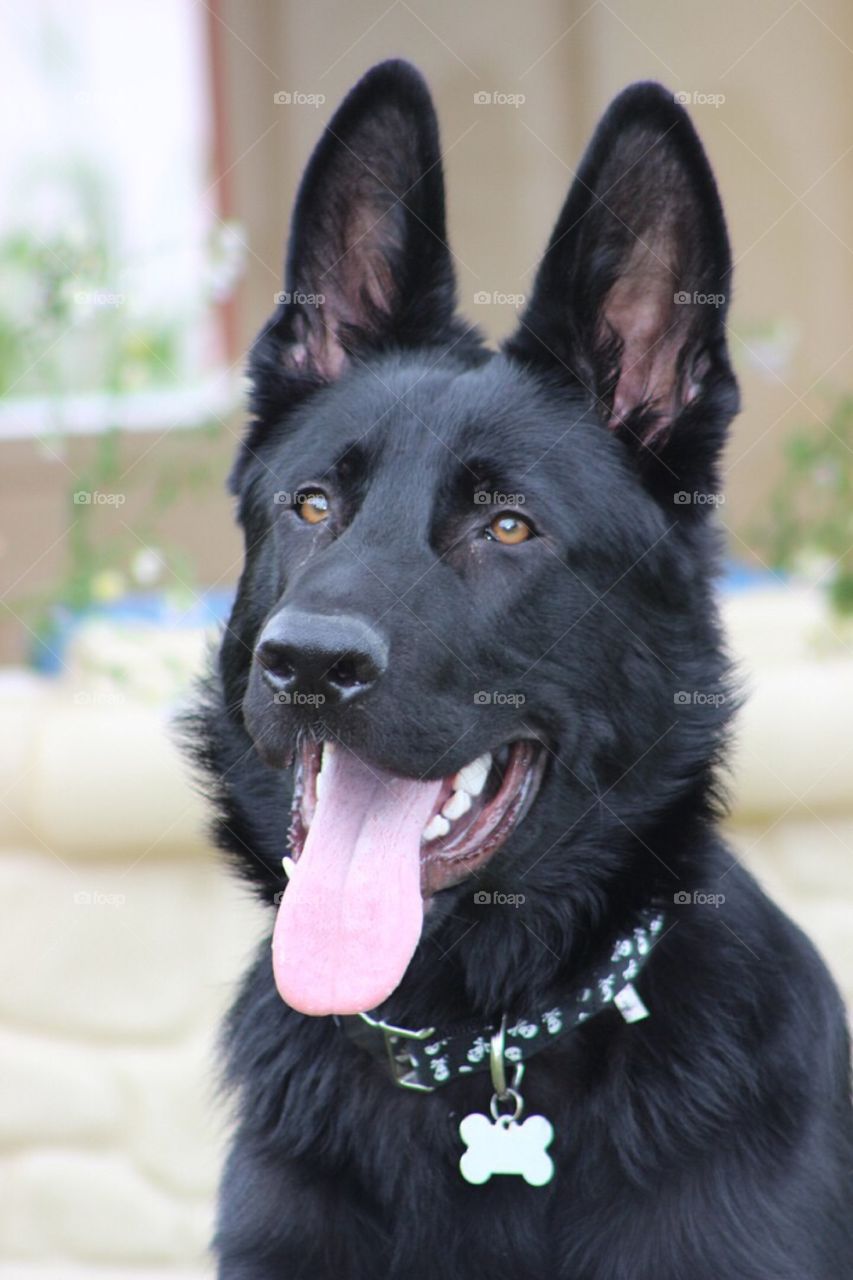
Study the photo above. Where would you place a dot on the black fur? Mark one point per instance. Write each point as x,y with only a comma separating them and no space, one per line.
712,1141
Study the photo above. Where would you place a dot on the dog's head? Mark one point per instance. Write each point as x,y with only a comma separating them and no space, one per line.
476,583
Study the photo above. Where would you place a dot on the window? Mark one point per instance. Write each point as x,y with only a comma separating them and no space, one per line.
114,256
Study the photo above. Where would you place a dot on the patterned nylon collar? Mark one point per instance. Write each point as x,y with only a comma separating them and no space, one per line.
427,1058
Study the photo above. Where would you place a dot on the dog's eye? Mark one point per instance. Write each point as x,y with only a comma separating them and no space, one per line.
313,506
509,529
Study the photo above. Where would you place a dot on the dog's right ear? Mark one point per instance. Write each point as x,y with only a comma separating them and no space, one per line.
368,268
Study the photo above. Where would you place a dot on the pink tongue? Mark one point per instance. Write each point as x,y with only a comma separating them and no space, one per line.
351,916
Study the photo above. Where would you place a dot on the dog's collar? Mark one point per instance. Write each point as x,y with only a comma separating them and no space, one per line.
427,1058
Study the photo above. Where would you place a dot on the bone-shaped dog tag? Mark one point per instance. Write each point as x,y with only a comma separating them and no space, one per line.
506,1146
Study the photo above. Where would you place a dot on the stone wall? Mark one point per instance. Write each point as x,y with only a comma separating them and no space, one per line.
122,939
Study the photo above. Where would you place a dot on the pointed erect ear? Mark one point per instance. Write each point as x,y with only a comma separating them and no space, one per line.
631,296
368,267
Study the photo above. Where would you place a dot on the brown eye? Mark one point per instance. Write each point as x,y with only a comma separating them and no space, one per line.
313,507
509,529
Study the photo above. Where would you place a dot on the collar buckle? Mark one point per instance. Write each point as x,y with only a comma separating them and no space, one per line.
404,1066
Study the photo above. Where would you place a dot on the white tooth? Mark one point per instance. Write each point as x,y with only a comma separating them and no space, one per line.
289,867
437,826
459,803
325,753
472,778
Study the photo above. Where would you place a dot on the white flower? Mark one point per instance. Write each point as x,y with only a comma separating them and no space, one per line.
147,566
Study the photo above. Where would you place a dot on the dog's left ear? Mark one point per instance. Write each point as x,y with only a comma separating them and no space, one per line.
631,296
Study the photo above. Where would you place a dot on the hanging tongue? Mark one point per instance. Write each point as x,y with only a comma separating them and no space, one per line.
351,916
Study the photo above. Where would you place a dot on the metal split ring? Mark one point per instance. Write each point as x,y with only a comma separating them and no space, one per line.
512,1096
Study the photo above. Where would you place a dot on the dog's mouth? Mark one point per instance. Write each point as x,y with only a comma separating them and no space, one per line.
369,851
474,811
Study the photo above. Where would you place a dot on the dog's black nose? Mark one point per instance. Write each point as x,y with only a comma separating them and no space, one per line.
337,658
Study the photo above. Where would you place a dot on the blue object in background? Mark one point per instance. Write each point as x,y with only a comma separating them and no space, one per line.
156,610
738,577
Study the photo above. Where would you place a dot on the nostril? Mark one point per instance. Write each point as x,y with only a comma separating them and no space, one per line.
276,660
352,671
345,673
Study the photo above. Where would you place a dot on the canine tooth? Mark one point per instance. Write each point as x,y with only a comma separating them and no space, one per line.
437,826
472,778
325,752
289,867
459,803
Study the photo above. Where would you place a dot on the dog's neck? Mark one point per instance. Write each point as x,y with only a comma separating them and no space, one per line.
424,1058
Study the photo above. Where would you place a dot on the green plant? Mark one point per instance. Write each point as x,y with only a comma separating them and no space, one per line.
106,314
69,329
810,523
66,326
137,555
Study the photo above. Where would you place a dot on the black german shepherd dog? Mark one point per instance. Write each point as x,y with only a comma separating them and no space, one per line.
473,686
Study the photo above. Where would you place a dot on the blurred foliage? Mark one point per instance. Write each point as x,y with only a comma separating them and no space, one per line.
135,555
66,331
65,328
104,319
809,530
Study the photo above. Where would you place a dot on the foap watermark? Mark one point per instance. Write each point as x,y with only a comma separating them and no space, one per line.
497,298
484,898
695,98
96,898
497,98
290,498
99,698
284,297
496,498
699,698
695,298
298,98
698,898
698,499
98,298
294,698
497,698
97,498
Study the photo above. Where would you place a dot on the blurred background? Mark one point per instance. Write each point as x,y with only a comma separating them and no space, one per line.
149,159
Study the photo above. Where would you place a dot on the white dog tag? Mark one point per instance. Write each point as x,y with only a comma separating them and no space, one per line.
506,1146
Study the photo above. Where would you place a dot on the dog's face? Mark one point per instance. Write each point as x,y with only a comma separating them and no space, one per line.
472,588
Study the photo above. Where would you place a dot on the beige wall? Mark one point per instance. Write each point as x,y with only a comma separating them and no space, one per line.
779,144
